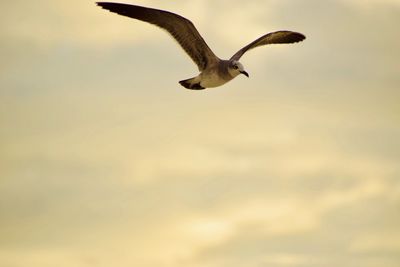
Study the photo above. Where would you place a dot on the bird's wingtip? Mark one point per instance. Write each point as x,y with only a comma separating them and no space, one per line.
303,37
101,4
298,37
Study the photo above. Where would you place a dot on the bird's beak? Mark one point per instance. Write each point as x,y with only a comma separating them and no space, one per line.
245,73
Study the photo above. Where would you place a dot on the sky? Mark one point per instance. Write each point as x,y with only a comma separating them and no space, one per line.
106,160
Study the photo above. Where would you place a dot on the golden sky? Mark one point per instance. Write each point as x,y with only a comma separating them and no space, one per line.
106,160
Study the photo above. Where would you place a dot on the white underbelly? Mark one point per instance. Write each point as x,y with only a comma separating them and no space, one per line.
213,80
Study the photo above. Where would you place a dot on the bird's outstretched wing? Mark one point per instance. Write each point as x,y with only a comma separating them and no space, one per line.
279,37
179,27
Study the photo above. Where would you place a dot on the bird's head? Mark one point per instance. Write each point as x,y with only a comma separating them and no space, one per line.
236,68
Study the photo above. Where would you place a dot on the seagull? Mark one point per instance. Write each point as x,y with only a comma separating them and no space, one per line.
214,71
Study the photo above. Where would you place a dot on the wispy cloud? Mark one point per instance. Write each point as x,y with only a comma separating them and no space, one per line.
105,160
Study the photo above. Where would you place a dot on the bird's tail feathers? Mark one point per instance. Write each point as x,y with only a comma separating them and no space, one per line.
192,83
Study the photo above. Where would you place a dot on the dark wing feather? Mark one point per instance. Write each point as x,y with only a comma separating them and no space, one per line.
179,27
279,37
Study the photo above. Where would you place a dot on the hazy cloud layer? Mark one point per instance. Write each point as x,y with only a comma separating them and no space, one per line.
107,161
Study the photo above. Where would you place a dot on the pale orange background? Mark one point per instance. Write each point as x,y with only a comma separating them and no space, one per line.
106,160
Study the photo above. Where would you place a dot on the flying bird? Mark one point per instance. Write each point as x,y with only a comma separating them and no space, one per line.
213,70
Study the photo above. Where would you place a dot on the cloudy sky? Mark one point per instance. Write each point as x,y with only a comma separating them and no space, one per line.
106,160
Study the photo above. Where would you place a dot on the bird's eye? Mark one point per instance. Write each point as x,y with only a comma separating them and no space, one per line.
235,67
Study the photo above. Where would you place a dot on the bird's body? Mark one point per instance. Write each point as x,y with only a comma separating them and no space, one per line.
215,75
214,71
